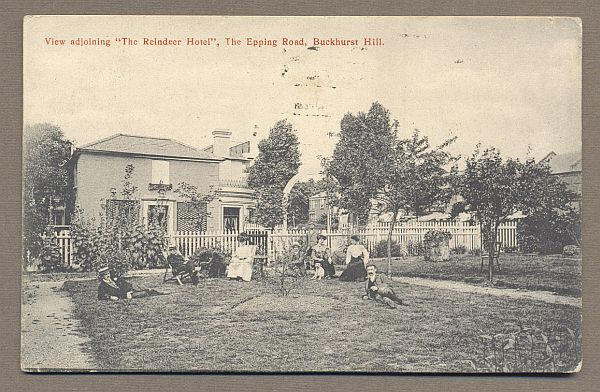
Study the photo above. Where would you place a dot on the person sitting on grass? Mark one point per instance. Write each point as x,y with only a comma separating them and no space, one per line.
179,265
379,290
357,257
109,289
320,254
295,259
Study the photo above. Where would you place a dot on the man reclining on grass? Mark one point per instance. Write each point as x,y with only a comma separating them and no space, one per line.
119,289
379,290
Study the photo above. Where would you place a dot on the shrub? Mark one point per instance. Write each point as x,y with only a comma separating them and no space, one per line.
459,250
415,248
475,252
86,243
571,250
145,245
380,249
119,262
529,350
549,232
283,277
436,245
51,259
437,237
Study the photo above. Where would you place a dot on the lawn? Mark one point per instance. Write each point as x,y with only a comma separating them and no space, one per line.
555,273
223,325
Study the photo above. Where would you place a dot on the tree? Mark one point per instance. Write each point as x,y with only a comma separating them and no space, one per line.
277,162
417,178
297,210
551,221
47,180
490,189
494,189
360,158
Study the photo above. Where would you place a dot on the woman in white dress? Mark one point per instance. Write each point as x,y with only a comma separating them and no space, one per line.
240,266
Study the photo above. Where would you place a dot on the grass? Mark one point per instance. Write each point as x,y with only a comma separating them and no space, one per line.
223,325
554,273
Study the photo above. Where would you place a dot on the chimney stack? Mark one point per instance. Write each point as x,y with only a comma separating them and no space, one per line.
221,142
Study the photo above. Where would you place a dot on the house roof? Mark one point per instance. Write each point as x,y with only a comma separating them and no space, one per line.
319,195
233,155
563,163
149,146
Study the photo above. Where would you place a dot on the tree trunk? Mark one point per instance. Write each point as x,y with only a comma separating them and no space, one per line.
493,233
389,241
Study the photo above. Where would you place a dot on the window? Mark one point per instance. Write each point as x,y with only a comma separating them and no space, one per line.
251,215
191,217
58,216
231,219
122,211
160,172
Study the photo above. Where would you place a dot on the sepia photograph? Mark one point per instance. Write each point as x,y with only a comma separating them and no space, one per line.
220,194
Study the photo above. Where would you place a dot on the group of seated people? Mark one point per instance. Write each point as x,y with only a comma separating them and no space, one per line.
317,258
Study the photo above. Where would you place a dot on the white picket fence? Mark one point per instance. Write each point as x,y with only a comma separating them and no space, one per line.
274,242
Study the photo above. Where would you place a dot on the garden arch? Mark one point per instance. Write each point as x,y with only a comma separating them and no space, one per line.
288,188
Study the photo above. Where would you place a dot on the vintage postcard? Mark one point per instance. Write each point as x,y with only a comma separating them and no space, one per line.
302,194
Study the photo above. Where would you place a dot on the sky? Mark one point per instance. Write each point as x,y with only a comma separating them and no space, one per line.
513,82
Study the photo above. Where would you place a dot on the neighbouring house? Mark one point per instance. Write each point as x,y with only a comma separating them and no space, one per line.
568,168
160,165
235,198
318,210
317,207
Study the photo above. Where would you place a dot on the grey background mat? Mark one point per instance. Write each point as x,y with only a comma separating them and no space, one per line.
11,29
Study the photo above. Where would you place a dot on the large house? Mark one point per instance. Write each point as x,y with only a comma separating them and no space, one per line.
160,165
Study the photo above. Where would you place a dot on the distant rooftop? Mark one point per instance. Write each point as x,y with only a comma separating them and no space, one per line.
563,163
319,195
237,152
144,145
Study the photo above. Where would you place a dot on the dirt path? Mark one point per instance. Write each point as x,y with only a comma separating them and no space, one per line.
544,296
50,335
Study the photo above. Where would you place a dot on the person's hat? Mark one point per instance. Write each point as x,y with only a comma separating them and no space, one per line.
355,238
371,265
103,270
296,243
321,236
172,246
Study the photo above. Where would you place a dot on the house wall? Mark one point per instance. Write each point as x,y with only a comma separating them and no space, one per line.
317,207
96,174
232,169
573,181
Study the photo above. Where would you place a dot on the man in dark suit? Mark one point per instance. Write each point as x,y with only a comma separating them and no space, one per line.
378,288
179,265
114,290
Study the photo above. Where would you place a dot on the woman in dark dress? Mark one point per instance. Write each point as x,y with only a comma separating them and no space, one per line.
357,258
